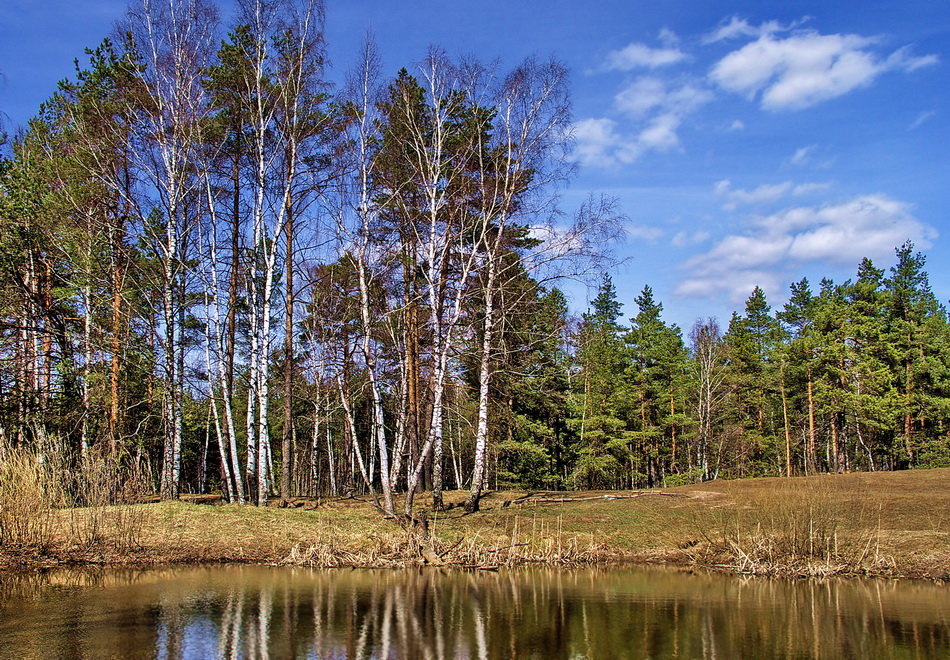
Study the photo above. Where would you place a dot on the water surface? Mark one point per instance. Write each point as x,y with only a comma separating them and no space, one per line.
241,611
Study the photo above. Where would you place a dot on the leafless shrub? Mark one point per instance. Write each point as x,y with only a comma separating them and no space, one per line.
105,495
813,529
542,543
28,490
44,499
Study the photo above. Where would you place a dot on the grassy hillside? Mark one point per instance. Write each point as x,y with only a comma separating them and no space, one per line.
889,524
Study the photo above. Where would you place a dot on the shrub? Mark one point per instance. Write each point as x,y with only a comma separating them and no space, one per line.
28,491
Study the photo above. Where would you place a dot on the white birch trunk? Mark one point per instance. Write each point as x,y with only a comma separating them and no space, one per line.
87,360
226,431
484,375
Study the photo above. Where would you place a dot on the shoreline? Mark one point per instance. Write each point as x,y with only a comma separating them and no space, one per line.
882,525
16,565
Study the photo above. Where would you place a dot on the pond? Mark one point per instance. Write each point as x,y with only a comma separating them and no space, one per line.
246,611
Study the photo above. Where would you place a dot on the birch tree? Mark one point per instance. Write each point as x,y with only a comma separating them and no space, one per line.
710,392
516,176
358,202
281,86
174,39
445,244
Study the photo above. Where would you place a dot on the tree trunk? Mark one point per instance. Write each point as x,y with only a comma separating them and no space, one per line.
369,358
812,444
87,361
287,439
115,366
673,467
484,374
788,434
171,448
834,449
908,417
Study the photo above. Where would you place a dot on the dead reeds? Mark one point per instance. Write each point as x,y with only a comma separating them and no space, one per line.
818,530
46,501
104,494
29,489
517,544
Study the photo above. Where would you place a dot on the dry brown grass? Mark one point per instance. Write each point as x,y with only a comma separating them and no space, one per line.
887,523
28,491
823,529
892,524
48,507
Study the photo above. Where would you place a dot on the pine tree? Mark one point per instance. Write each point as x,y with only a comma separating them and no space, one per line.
866,422
530,391
797,372
604,454
918,339
655,378
752,340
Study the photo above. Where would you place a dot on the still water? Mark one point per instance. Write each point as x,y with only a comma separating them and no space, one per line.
240,611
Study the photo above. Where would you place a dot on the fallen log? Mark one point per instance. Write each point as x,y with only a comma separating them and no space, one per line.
563,500
517,500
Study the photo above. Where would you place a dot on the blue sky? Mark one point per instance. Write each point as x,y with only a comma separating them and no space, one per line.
747,142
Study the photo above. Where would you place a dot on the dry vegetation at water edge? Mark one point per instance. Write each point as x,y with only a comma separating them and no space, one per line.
886,524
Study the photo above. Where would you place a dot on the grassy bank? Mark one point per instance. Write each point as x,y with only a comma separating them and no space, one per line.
887,524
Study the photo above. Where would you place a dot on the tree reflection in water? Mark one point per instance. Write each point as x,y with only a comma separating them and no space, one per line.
254,612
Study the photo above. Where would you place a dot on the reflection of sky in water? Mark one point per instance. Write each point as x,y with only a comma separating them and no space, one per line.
198,638
244,612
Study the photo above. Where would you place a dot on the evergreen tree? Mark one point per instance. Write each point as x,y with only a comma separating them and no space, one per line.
655,377
531,391
862,432
752,340
797,372
917,336
604,454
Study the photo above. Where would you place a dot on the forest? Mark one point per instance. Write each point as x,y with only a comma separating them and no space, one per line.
225,273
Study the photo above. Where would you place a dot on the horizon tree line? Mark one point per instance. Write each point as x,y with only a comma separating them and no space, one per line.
854,376
221,270
212,257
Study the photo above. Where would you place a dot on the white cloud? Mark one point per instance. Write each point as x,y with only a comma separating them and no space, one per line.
736,27
668,38
641,56
803,155
739,27
657,110
807,68
685,238
764,194
808,157
660,133
838,234
641,96
598,144
647,233
803,189
738,286
921,118
649,93
902,59
736,125
867,226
